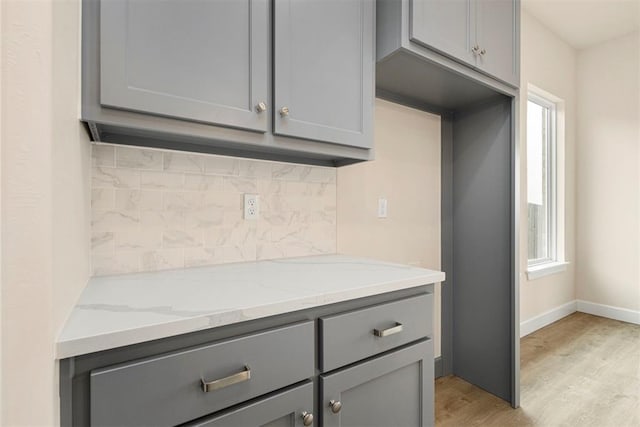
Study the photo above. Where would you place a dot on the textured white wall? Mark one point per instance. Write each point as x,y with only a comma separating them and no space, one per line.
608,173
406,171
548,63
1,262
45,203
27,214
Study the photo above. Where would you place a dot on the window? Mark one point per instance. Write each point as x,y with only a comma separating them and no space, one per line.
545,254
541,180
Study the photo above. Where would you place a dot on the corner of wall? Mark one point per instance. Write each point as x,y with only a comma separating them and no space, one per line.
549,63
608,174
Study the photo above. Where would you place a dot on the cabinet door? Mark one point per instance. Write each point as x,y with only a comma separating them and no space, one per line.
197,60
284,409
497,38
324,59
445,25
392,390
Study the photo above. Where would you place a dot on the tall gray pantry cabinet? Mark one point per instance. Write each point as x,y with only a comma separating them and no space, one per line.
460,59
287,79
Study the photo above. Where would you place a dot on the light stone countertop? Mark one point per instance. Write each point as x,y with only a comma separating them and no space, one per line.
115,311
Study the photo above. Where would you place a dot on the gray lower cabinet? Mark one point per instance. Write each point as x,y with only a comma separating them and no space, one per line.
391,390
366,362
284,409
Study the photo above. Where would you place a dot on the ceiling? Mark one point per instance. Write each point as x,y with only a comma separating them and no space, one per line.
582,23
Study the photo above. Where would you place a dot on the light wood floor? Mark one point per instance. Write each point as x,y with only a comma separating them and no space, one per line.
580,371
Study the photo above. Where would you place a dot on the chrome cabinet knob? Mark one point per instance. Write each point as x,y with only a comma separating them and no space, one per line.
284,111
475,49
307,418
261,107
483,51
335,406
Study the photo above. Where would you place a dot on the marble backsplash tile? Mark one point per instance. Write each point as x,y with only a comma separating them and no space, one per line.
158,209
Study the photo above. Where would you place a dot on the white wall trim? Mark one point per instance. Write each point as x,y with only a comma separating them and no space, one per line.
546,269
540,321
616,313
548,317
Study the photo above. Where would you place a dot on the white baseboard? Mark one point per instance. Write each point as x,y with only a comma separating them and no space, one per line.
546,318
616,313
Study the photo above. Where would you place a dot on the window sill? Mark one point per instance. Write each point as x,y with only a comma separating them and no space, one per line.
546,269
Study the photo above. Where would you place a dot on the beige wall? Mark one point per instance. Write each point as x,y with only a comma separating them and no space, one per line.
549,64
608,164
1,141
45,159
406,172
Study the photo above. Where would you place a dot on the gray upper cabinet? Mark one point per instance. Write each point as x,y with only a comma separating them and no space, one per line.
212,76
479,33
495,29
204,61
324,70
446,26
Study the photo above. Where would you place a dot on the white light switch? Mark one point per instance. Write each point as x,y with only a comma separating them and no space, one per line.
382,208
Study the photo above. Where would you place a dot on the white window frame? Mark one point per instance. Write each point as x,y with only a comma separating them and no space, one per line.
555,262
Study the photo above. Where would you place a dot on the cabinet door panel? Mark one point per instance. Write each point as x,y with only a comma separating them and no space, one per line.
198,60
497,35
324,59
391,390
281,410
445,25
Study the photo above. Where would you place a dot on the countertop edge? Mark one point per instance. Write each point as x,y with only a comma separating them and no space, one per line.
91,344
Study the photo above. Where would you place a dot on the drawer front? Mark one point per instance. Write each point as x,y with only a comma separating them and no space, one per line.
181,386
356,335
283,409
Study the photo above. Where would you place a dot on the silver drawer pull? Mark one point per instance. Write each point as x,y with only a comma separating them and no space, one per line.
214,385
390,331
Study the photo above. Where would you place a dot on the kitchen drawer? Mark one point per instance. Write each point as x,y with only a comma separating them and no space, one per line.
285,408
348,337
170,389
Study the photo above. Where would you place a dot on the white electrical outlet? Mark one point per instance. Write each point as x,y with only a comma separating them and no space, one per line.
382,208
251,206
